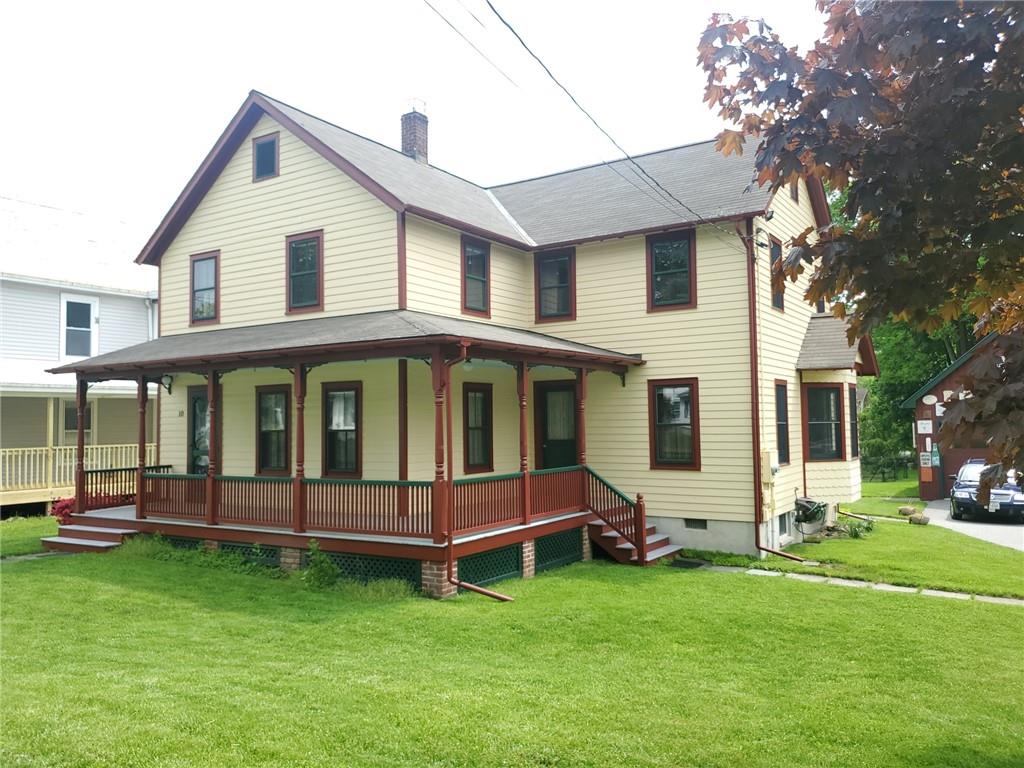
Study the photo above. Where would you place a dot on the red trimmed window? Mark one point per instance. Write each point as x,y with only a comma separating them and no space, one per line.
778,297
478,427
476,277
204,288
554,278
342,435
854,424
265,157
672,271
794,191
823,415
305,256
273,430
674,424
782,421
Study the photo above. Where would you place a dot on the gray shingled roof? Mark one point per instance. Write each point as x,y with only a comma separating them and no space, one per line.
825,346
285,337
601,200
568,206
414,183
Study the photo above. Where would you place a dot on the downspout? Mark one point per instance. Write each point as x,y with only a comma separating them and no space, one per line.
755,399
450,512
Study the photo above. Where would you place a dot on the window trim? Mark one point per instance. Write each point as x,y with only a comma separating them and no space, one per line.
854,424
488,392
691,233
794,191
486,246
276,138
781,295
318,235
652,416
326,388
789,434
268,389
215,255
94,328
806,427
539,258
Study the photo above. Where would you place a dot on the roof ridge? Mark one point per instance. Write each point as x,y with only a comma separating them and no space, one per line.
599,164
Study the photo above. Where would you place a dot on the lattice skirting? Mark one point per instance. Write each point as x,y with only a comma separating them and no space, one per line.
495,565
253,553
558,549
364,568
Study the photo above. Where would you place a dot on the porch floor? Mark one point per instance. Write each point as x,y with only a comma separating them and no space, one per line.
126,515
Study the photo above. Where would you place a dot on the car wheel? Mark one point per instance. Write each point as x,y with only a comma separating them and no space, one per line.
1018,517
954,511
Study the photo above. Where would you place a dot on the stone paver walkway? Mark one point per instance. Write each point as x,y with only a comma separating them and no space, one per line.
858,583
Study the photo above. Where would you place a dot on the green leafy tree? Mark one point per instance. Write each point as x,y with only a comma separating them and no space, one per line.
916,112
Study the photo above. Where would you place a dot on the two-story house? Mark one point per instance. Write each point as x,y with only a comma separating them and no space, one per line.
45,323
453,383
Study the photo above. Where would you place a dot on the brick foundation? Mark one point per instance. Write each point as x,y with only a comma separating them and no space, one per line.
529,563
434,575
291,558
588,553
211,545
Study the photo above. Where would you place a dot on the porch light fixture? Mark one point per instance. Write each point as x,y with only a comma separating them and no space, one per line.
166,381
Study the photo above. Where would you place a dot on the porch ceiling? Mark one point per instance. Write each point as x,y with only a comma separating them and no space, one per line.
390,333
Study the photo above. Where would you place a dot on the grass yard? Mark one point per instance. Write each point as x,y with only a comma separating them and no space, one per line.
125,659
890,489
883,499
21,535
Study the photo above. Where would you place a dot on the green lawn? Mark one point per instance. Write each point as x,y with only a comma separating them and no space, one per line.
21,535
918,556
891,489
123,659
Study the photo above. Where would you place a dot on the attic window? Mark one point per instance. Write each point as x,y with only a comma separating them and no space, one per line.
264,157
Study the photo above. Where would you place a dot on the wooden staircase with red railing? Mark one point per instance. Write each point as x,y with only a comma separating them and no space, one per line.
86,538
618,548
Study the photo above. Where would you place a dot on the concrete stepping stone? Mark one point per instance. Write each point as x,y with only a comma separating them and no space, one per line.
760,572
944,593
999,600
894,588
807,577
848,582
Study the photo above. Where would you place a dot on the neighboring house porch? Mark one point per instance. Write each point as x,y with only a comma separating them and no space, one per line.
390,434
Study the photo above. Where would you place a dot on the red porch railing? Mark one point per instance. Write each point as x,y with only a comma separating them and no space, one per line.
488,502
180,496
557,491
265,501
383,507
625,516
113,487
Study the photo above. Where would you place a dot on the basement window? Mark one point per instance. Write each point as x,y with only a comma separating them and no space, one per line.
784,528
695,524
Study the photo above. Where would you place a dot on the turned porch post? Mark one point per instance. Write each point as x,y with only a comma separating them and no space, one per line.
438,495
141,398
212,401
298,491
581,431
80,392
403,435
522,382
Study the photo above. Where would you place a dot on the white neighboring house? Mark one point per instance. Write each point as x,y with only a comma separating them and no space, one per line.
60,315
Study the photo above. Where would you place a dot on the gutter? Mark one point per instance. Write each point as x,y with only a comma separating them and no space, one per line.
755,399
450,512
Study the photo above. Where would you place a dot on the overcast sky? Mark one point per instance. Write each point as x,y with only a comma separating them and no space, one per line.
111,106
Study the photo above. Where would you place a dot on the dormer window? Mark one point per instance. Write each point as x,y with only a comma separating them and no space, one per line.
265,157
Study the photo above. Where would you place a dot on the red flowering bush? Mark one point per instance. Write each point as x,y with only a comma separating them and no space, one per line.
62,509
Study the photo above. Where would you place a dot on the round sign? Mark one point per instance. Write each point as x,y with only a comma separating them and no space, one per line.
929,399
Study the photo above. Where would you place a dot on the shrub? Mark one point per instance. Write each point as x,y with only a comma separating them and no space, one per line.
321,573
62,509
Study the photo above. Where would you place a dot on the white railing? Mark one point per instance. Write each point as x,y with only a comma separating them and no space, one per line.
28,468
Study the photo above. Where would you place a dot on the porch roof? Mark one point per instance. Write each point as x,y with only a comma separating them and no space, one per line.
826,347
372,334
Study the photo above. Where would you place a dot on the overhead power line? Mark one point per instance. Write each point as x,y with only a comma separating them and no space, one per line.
650,180
470,42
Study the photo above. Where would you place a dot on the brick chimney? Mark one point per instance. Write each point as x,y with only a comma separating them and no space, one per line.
414,135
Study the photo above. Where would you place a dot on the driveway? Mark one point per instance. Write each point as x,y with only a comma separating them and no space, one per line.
997,531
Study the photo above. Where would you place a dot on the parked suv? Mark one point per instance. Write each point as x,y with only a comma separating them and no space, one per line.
1005,500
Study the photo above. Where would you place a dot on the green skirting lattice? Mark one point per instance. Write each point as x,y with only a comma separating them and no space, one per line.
365,568
558,549
253,553
496,565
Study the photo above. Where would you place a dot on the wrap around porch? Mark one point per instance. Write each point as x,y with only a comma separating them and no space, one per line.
437,512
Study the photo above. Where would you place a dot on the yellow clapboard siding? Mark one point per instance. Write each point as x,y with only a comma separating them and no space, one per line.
248,223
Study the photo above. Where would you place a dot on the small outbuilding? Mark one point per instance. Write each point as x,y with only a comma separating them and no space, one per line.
937,467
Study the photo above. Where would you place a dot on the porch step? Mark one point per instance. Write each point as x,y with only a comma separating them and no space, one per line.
95,533
72,544
616,546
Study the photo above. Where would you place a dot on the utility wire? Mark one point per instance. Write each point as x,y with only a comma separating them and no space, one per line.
470,42
642,171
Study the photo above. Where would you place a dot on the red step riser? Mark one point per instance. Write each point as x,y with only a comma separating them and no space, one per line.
619,555
99,522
